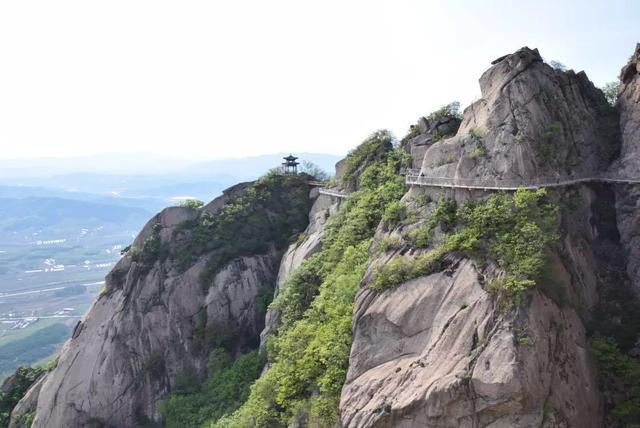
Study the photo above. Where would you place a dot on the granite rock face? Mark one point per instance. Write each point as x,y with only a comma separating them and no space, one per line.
429,131
629,106
438,351
323,208
628,196
153,323
533,122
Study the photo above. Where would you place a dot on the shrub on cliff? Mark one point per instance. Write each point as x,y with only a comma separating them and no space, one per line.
266,216
192,203
619,371
309,356
372,149
15,388
610,91
514,232
226,388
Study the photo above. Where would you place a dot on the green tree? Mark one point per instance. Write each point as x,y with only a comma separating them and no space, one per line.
558,65
611,91
192,203
310,354
314,170
22,380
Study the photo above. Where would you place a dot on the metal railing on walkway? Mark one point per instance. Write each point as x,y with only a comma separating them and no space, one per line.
334,193
509,185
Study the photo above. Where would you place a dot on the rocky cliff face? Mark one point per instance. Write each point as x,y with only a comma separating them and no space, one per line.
439,350
137,339
627,196
310,242
442,341
532,123
161,313
628,99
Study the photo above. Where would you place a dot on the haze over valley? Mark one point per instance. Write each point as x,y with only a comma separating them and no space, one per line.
63,227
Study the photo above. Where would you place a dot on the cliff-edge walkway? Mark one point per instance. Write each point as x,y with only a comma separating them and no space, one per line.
414,179
509,185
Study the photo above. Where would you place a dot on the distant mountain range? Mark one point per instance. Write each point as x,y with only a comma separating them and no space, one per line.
150,164
136,182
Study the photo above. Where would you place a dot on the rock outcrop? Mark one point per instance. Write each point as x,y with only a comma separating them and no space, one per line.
135,341
429,130
533,122
628,196
628,105
158,318
309,244
438,351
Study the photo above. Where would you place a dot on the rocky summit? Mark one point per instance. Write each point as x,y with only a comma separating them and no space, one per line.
483,271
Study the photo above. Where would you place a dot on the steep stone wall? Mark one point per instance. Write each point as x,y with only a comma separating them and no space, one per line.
532,122
160,315
323,208
439,350
136,340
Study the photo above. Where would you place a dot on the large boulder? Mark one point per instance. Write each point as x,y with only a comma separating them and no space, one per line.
533,123
165,307
438,351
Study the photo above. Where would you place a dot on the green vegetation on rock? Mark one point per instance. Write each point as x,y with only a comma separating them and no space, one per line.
266,216
192,203
621,370
371,150
395,212
21,381
226,388
476,137
444,215
153,248
449,114
514,232
309,356
611,91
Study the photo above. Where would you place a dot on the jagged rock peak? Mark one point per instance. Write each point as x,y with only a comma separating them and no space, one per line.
627,105
193,280
508,66
533,122
632,68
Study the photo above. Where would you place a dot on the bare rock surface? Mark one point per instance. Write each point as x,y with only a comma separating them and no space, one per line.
438,351
629,106
533,122
427,132
628,196
152,325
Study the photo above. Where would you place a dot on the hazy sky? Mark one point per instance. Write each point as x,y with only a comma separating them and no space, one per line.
233,78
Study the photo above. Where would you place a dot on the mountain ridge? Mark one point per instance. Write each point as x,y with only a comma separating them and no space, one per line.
398,306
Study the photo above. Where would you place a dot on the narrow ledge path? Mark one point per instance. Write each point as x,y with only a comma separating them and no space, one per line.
509,185
499,185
